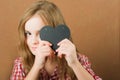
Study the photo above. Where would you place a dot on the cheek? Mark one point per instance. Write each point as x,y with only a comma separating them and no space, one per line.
28,42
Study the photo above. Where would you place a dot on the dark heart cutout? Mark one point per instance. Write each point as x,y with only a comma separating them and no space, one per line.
54,35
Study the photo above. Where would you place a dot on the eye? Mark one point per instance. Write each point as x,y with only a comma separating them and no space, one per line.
27,33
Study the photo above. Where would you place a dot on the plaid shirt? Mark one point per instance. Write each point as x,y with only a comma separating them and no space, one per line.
19,74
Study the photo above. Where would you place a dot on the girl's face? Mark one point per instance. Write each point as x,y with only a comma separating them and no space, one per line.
32,28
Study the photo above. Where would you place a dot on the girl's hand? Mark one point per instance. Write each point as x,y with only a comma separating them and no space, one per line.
68,50
42,52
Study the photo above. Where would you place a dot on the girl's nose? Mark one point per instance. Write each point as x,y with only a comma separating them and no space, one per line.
35,40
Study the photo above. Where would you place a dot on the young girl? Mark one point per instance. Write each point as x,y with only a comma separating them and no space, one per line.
38,61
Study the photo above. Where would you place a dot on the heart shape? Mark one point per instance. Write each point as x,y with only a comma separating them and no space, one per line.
54,35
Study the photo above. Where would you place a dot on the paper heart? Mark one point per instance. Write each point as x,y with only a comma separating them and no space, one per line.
54,35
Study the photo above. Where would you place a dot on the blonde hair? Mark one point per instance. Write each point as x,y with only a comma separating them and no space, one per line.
52,16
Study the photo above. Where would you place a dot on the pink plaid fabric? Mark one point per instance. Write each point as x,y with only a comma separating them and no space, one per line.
19,74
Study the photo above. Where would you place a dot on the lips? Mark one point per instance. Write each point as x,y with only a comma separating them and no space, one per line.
33,48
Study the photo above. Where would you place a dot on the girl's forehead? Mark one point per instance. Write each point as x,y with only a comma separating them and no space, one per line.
35,23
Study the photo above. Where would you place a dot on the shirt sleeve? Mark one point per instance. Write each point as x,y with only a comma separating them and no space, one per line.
87,65
17,72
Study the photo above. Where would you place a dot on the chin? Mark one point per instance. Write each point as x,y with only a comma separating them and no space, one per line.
33,52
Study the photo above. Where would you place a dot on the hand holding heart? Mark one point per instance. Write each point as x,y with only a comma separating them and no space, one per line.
43,50
68,50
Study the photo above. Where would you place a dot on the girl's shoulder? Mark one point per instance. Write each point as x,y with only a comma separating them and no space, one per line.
18,60
18,63
18,70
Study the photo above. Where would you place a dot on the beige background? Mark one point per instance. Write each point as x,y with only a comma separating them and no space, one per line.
94,25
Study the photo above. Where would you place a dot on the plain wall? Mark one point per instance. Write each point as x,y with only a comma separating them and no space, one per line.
94,26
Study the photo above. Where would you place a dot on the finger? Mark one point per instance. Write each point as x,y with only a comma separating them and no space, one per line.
61,42
61,55
45,43
61,50
64,41
51,51
62,47
58,49
47,48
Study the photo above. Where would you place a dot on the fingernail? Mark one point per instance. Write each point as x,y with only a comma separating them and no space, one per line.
56,50
58,44
50,44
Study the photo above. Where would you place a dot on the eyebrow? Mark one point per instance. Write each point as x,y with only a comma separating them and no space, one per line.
26,31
